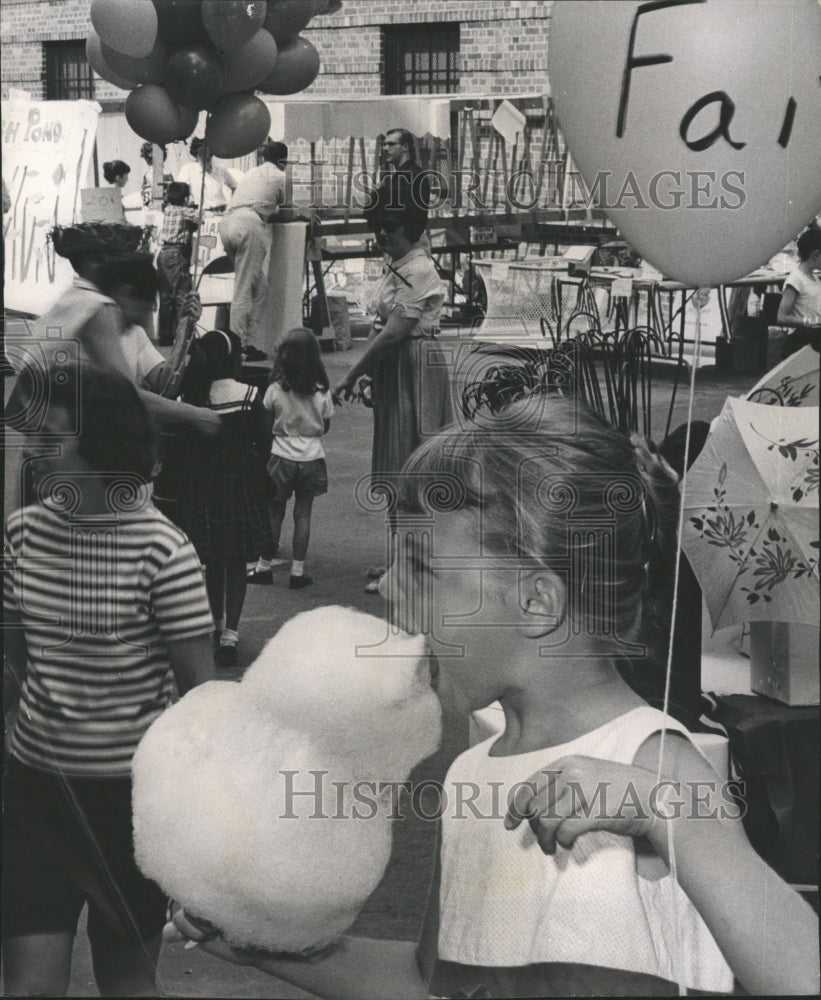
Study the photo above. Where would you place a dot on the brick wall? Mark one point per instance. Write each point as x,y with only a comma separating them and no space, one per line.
503,45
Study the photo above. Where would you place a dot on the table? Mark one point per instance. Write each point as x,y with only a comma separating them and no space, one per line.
763,277
555,294
370,249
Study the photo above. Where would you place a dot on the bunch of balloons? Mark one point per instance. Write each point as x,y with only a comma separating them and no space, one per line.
179,57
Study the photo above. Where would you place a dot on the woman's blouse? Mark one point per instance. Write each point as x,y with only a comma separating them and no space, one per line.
420,295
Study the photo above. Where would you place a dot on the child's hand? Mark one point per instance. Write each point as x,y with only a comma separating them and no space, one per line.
343,391
182,927
577,794
192,306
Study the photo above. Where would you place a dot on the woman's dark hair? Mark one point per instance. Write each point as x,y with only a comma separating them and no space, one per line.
298,364
412,221
147,152
217,354
114,169
115,431
196,147
809,241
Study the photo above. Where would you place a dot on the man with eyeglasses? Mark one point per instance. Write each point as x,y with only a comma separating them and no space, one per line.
405,185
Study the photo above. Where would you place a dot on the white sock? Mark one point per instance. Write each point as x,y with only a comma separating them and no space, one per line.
229,637
219,624
262,565
297,567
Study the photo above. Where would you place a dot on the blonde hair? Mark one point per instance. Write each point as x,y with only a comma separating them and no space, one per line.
559,488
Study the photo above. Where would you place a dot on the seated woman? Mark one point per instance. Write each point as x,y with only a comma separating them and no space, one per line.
800,305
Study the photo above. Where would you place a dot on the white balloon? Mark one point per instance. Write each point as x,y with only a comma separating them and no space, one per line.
698,125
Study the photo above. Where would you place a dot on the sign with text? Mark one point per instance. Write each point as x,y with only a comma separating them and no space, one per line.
47,149
101,205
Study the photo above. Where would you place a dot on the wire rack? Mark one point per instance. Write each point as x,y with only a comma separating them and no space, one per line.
525,299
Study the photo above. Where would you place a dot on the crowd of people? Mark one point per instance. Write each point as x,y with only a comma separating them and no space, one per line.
95,651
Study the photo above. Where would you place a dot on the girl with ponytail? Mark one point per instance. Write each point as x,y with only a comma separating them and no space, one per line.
222,504
531,547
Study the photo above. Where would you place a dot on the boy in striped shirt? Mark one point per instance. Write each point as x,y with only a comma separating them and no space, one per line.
105,607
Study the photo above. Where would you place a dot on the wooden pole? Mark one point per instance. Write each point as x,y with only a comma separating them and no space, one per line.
349,180
157,174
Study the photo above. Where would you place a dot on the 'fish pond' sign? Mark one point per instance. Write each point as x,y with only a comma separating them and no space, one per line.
47,151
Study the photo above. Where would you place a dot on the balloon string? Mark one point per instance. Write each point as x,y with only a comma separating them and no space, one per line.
195,279
671,850
671,644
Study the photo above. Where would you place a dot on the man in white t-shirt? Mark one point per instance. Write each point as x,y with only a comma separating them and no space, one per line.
217,178
245,232
800,305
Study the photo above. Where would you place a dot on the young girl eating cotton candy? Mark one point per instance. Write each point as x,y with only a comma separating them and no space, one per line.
531,558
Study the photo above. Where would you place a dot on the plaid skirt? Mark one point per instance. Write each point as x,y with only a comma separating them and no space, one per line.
411,401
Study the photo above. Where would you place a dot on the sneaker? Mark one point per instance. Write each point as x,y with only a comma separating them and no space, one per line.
260,576
298,582
252,354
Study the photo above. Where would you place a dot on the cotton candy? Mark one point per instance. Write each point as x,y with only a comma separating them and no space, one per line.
336,704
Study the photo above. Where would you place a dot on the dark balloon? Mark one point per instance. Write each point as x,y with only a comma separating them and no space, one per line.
232,23
154,115
250,63
194,75
127,26
180,20
150,69
99,65
288,17
238,124
296,68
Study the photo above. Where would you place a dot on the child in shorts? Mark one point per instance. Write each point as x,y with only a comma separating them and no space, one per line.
299,400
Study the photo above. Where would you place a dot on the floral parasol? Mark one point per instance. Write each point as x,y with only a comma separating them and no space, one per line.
751,515
793,382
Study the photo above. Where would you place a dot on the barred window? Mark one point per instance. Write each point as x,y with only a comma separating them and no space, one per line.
420,58
68,74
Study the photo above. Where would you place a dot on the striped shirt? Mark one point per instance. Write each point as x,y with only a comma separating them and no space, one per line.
99,598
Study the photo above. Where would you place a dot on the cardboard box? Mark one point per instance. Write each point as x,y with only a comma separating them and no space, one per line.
784,661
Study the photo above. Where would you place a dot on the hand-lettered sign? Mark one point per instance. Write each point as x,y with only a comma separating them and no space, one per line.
47,150
101,205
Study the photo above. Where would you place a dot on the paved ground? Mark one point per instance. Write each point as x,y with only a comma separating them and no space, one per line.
345,541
